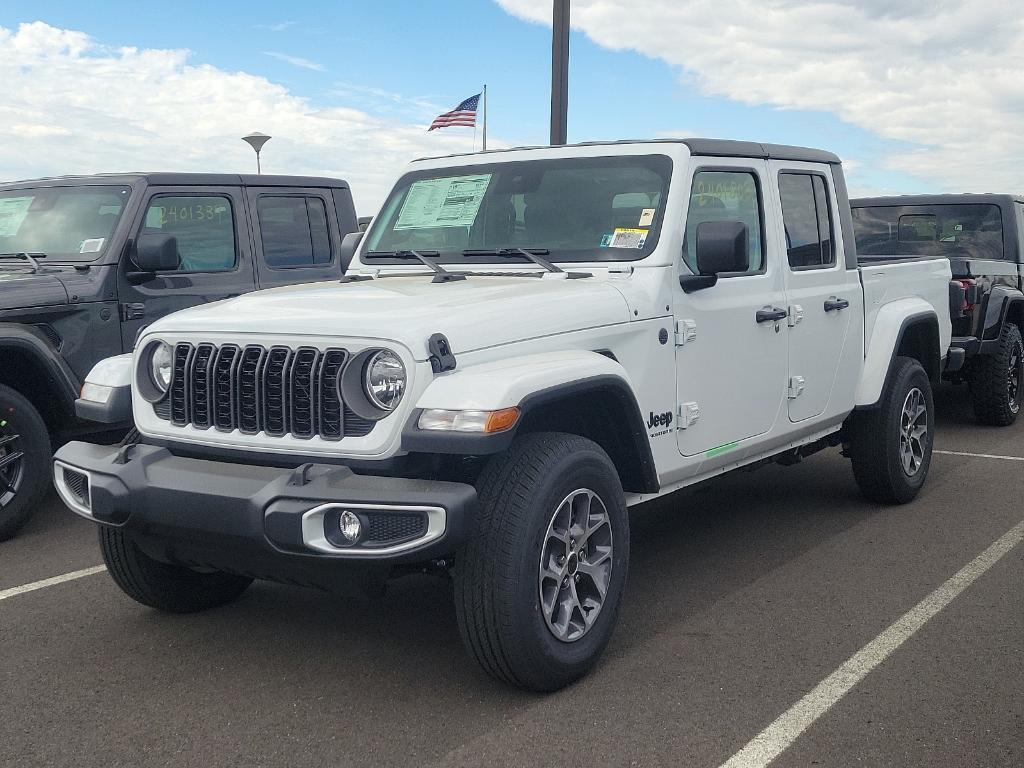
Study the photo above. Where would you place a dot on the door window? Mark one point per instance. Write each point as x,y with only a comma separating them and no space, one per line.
807,217
293,230
725,196
203,226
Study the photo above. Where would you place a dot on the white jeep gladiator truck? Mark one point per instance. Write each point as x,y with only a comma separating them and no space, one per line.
526,343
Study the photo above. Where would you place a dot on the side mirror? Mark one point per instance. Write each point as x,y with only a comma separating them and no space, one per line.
349,244
721,247
156,252
364,222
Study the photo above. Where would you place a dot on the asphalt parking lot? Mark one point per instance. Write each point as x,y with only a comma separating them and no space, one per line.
745,597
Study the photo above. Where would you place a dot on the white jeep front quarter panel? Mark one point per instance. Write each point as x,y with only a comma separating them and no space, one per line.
382,442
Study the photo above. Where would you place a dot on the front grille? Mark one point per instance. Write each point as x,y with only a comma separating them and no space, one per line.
394,528
277,390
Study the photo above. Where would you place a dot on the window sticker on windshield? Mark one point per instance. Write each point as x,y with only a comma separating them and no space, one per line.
628,238
606,240
646,217
13,211
92,245
448,202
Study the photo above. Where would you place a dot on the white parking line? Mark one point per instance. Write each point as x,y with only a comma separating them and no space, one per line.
774,739
979,455
15,591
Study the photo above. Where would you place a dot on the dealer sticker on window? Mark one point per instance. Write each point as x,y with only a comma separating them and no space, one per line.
92,245
628,238
448,202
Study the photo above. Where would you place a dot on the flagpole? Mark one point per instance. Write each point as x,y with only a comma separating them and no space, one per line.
485,118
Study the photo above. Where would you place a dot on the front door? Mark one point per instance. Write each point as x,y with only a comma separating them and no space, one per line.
822,293
213,249
731,353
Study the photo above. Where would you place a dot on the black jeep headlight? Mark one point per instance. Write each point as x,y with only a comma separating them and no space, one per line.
384,380
156,366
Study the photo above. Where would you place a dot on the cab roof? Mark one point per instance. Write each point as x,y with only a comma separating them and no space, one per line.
182,180
698,147
946,199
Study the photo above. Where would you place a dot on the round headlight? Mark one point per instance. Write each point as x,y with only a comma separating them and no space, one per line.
160,364
384,380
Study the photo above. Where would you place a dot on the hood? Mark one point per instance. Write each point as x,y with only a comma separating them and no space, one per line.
473,313
24,289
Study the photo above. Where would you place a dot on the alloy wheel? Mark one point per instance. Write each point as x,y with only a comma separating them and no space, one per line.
913,431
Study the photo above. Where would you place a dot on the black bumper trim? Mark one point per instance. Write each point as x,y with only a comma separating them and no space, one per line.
248,519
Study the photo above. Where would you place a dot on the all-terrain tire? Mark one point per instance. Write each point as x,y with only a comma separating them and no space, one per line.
878,437
166,587
498,580
19,417
996,380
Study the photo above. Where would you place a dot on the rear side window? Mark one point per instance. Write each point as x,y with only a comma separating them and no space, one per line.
807,217
294,231
725,196
203,226
973,230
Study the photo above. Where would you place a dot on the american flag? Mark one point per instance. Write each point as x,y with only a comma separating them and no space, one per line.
464,114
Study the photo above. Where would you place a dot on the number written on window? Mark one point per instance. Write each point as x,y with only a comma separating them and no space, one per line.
724,196
203,226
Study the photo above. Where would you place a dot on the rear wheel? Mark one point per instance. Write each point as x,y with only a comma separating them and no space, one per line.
537,588
891,445
160,585
25,461
996,380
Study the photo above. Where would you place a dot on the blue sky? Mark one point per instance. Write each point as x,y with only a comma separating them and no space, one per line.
404,61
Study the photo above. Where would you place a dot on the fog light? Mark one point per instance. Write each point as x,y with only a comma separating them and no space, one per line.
349,526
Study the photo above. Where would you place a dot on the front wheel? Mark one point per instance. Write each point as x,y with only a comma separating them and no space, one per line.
170,588
891,445
25,463
538,586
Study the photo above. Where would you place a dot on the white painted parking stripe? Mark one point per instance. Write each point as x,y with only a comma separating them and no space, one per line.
15,591
774,739
979,455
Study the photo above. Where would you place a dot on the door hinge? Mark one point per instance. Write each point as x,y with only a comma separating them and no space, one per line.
133,311
689,413
796,314
796,386
686,331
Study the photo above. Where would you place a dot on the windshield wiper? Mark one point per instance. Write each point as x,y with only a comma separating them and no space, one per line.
532,254
29,257
441,275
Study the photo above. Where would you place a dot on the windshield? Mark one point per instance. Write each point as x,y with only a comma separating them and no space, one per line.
577,209
974,230
64,223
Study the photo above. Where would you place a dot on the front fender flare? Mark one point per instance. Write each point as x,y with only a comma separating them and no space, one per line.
18,338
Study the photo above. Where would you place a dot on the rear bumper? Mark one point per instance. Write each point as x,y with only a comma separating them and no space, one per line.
263,521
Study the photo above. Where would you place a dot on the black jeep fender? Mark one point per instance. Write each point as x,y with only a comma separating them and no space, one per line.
31,366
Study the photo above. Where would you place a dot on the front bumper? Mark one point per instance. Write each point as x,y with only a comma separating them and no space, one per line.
265,522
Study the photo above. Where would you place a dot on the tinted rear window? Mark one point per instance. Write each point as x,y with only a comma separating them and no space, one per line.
971,230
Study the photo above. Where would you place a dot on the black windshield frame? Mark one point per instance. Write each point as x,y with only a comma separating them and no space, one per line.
384,223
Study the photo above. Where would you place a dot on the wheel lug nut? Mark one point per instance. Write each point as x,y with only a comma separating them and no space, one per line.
576,577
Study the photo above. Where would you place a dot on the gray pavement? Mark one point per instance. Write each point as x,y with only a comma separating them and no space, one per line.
744,594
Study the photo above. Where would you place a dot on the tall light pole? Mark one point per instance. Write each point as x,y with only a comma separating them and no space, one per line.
256,140
560,72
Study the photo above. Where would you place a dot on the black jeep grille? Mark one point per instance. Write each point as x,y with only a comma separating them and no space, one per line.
278,391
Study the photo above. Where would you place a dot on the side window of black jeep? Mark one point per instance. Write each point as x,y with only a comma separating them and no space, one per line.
293,230
204,227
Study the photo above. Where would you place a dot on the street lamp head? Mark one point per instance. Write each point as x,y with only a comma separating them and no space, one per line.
256,140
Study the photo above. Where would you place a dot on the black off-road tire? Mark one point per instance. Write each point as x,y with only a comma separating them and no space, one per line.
169,588
19,417
995,389
497,581
875,438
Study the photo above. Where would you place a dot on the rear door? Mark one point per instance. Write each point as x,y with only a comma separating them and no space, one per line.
823,295
295,235
213,244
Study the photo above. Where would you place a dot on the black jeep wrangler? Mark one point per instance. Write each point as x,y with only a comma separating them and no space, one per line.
86,262
981,235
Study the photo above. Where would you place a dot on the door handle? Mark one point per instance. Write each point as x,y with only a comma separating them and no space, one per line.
770,315
133,311
832,304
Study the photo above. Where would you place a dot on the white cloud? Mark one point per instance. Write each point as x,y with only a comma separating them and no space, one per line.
71,105
942,75
281,26
295,61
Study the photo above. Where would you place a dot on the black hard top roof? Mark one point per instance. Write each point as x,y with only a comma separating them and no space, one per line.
947,199
182,180
709,147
